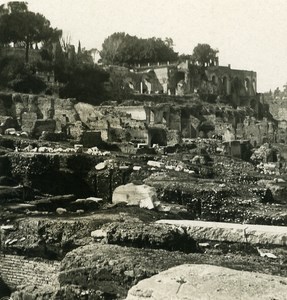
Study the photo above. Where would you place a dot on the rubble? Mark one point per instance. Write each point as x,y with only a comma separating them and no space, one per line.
119,184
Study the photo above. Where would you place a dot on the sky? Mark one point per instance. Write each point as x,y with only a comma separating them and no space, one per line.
249,34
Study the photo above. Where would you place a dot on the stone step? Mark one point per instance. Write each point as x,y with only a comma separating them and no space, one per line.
231,232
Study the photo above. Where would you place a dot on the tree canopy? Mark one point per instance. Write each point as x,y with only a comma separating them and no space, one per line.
121,48
204,55
21,26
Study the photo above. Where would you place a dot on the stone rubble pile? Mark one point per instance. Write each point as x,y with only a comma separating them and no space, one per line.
77,149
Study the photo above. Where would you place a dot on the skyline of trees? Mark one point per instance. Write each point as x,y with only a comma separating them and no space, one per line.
122,48
18,25
75,70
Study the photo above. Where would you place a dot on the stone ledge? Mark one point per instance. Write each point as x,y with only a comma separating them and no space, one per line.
231,232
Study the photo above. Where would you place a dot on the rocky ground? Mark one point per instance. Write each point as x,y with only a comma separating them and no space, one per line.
106,245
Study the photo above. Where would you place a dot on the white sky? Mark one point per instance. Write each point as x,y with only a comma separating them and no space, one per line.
250,34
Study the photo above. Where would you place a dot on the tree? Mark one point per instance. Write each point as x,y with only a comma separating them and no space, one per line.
85,83
122,49
19,25
204,55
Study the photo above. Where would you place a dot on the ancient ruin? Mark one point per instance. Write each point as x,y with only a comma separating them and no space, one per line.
173,183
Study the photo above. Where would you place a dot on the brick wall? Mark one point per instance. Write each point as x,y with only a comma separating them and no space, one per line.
19,270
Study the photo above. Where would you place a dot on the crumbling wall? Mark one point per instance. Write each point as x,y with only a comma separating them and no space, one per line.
27,109
64,112
258,132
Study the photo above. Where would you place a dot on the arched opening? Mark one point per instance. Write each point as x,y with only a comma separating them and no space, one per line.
225,85
254,85
236,85
247,85
180,76
151,117
214,79
164,117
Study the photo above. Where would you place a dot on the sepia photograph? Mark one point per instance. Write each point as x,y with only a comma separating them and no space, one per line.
143,150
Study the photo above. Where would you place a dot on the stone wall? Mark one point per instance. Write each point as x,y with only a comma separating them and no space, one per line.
27,109
18,270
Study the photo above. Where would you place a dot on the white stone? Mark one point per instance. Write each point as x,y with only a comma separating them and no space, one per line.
123,167
136,168
24,134
7,227
101,166
78,146
10,131
139,195
95,199
13,241
106,153
7,241
279,180
60,210
156,164
98,234
169,167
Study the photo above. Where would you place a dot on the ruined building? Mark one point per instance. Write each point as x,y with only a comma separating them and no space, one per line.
170,102
184,78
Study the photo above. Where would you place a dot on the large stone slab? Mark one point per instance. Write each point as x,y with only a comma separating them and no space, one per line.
231,232
209,282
